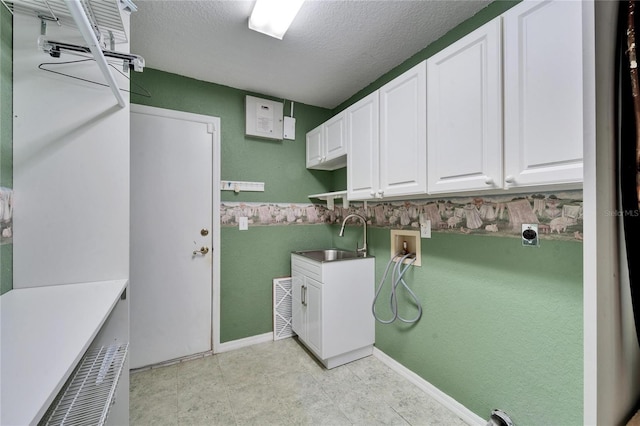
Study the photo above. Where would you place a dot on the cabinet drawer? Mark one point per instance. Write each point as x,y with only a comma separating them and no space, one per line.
307,267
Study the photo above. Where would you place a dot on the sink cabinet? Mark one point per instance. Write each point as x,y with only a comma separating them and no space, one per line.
331,307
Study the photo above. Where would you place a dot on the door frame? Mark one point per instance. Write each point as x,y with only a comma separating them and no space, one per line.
213,125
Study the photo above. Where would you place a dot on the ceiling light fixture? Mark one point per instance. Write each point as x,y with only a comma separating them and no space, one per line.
273,17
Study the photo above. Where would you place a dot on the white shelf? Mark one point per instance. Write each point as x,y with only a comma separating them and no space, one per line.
106,15
90,393
329,197
333,195
45,333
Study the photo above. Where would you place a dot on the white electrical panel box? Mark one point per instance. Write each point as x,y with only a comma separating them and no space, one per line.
264,118
290,128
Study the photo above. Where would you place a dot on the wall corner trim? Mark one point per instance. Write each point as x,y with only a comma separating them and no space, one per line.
451,404
243,343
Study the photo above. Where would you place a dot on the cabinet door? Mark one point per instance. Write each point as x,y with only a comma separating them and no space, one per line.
313,305
464,113
314,147
403,134
297,312
544,96
335,137
362,148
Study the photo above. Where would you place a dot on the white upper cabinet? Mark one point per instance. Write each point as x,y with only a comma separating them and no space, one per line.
506,109
336,138
363,148
464,113
386,137
327,145
544,93
403,134
314,147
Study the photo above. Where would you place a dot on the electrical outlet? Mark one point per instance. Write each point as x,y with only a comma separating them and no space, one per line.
243,223
530,235
425,229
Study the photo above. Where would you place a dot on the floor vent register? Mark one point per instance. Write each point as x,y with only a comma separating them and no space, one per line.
282,308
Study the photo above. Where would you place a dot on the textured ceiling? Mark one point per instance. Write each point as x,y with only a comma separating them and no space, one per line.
332,50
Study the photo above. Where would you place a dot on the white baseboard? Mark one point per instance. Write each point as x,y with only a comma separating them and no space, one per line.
242,343
454,406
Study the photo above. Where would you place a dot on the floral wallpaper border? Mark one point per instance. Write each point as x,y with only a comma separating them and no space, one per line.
558,214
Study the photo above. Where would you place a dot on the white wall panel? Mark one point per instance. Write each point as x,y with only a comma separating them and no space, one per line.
71,167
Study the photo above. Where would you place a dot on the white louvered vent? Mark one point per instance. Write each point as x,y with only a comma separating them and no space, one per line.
282,308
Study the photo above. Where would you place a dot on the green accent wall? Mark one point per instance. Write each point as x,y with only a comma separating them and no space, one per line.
249,259
280,164
6,134
501,324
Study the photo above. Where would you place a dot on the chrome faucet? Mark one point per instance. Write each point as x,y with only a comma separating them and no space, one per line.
362,250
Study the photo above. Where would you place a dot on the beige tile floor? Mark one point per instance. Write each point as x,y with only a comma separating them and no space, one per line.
279,383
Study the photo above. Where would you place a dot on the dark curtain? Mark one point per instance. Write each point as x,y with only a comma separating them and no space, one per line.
627,169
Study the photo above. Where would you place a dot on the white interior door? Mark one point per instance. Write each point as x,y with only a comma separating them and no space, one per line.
171,235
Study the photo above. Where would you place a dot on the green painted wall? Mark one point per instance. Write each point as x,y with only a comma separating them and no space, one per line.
280,164
249,261
502,324
501,327
6,134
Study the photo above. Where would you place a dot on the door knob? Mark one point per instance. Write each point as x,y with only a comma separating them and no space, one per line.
202,251
204,232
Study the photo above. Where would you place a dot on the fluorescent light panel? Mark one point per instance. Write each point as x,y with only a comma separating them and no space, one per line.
273,17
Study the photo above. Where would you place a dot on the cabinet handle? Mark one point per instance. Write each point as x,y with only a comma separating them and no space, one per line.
488,180
372,193
510,179
380,194
303,294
